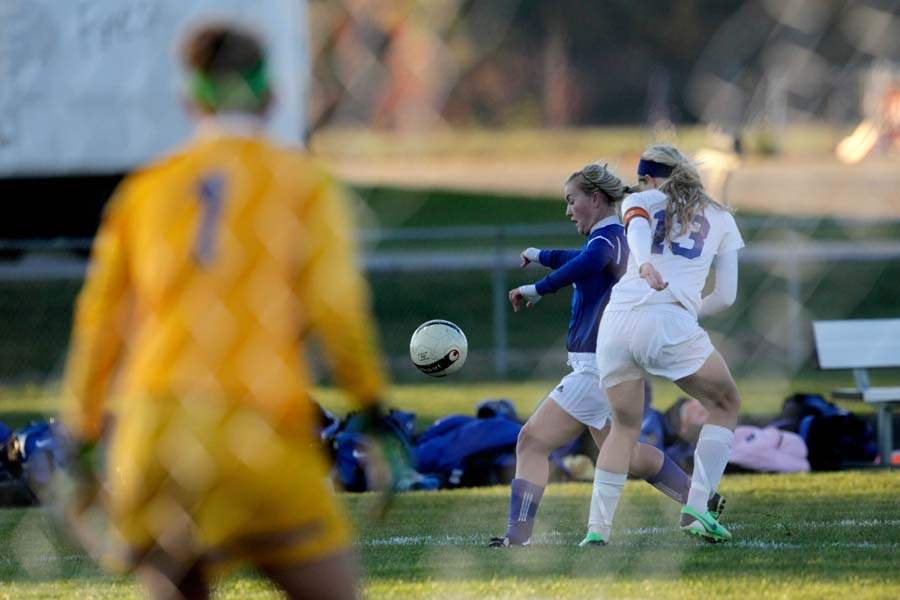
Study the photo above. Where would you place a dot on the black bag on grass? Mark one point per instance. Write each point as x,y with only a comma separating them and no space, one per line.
834,437
836,440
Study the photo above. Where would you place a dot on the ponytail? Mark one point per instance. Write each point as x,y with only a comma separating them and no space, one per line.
683,188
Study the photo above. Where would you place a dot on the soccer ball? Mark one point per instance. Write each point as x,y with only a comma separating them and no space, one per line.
438,348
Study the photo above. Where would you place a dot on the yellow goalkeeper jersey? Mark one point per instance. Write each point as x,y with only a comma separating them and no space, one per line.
210,270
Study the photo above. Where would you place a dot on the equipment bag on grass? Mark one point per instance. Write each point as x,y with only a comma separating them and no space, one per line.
834,437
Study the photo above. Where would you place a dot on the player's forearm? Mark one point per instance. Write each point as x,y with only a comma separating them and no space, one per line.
351,349
82,416
341,319
361,377
714,303
725,291
555,259
90,368
584,265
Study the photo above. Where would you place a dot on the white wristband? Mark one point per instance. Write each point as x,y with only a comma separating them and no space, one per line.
530,293
532,255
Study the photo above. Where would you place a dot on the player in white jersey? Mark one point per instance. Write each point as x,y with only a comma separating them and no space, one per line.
674,232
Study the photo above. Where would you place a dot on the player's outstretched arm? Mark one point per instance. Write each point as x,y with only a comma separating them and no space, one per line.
335,295
725,291
98,333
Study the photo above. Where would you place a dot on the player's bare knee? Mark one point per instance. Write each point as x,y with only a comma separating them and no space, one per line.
730,401
529,441
626,427
723,400
627,422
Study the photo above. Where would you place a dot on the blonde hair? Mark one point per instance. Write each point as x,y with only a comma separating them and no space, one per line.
683,187
597,177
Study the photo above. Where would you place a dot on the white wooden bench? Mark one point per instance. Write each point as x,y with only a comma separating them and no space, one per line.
862,344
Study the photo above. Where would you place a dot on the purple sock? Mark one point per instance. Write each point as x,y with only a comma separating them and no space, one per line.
671,480
523,504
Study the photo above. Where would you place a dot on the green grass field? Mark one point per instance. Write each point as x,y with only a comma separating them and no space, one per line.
801,536
796,536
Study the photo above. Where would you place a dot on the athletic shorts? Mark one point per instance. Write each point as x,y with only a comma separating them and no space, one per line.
209,482
579,393
659,339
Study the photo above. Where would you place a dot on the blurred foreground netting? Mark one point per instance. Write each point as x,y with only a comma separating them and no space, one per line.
742,76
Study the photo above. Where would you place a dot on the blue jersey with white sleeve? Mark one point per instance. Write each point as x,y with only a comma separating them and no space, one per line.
592,272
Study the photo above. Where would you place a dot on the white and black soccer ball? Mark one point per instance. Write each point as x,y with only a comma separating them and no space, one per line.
438,348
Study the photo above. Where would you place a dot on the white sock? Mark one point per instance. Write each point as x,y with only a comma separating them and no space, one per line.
604,499
710,458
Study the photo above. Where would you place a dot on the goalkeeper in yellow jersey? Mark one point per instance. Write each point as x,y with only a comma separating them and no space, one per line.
210,270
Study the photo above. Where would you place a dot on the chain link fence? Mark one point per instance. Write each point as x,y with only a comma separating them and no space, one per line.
793,271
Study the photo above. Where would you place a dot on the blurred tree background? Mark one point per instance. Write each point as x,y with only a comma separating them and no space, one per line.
413,65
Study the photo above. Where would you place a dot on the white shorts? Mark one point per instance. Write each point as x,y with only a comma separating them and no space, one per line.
659,339
579,393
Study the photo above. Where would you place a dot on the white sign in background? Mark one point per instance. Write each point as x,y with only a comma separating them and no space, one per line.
94,86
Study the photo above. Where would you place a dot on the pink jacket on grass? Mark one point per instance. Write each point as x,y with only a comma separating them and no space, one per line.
769,450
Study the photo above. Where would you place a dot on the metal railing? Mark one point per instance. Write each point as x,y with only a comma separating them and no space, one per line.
42,261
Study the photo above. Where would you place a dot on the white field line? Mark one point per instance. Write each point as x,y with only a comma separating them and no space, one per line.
451,540
439,541
763,545
47,559
448,540
556,538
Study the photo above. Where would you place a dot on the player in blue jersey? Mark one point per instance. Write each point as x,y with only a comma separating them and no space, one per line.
591,195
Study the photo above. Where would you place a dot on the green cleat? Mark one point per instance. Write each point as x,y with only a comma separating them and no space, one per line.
705,526
592,539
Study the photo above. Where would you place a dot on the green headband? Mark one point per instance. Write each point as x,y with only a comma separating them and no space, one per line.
239,91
